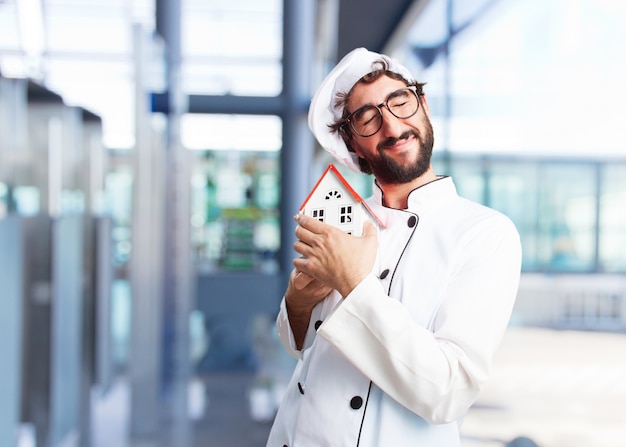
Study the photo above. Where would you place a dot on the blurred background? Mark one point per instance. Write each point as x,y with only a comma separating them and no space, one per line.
153,153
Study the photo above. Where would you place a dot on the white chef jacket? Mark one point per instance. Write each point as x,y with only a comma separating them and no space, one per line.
399,361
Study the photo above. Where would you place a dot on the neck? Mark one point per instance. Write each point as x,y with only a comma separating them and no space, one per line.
396,195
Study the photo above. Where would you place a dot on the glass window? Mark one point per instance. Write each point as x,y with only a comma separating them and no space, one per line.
468,177
566,217
235,210
239,53
507,186
511,71
4,200
513,190
554,207
612,237
231,132
118,191
235,190
345,214
318,214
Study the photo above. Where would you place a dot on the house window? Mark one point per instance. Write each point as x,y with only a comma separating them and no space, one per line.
333,194
345,214
318,214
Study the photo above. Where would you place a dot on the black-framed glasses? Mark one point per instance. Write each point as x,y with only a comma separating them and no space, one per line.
368,120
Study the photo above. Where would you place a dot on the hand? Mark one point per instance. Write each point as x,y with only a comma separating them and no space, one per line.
303,293
333,257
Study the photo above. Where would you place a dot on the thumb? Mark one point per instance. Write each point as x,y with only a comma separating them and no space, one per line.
369,230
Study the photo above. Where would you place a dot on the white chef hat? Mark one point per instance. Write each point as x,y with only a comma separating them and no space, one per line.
341,79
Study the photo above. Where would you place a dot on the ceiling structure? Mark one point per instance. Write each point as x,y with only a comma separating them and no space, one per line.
87,56
83,48
374,24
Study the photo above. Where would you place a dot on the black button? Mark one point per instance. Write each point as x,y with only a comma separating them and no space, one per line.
356,402
300,388
318,323
412,221
384,274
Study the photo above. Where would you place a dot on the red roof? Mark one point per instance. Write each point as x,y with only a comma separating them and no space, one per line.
353,193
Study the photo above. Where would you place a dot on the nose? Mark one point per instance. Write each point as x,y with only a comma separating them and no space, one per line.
392,126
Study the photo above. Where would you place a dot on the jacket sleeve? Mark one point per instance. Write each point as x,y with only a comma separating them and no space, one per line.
437,372
285,334
284,331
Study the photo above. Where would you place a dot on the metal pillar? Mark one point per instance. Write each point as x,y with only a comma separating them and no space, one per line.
11,311
297,150
177,270
145,341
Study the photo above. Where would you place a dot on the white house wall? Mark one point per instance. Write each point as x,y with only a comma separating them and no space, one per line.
324,197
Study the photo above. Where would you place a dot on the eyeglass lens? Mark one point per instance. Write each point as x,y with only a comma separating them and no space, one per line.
368,120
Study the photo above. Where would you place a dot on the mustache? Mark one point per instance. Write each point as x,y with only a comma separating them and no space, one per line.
392,141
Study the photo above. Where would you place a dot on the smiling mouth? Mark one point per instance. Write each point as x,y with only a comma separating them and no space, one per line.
396,143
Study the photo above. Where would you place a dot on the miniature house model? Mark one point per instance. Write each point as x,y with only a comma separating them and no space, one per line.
334,202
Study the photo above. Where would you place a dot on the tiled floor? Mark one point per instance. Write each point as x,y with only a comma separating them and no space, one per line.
225,422
558,388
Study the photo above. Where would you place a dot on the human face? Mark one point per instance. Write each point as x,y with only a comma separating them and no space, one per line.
401,150
368,120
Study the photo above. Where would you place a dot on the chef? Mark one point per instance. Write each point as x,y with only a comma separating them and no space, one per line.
394,330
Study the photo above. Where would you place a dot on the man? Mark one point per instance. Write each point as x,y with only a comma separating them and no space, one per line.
394,330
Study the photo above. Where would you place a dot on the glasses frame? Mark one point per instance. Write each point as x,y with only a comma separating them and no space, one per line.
348,119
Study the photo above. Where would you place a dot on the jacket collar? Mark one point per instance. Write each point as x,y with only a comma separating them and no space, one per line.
426,197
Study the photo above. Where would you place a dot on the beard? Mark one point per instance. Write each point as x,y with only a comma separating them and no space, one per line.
388,170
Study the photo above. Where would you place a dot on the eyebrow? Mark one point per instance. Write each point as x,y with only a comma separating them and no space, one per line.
382,102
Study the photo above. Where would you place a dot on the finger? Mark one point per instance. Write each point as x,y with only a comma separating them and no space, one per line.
302,248
303,234
300,265
301,280
369,229
305,265
309,223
